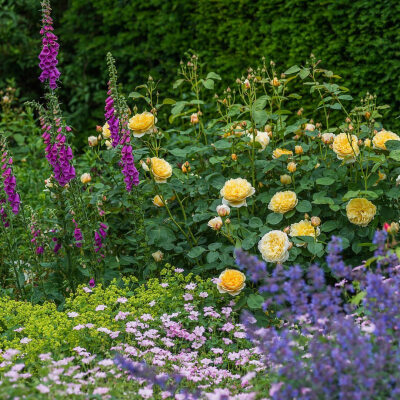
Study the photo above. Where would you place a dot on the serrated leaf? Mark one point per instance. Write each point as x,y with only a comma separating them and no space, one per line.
274,218
304,206
255,301
213,75
304,73
177,83
315,248
329,226
135,95
196,252
208,84
325,181
292,70
169,101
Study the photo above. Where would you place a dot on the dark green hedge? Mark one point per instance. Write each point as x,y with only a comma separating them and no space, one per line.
359,40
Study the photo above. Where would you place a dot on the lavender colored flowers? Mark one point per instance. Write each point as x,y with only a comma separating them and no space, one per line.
48,55
325,348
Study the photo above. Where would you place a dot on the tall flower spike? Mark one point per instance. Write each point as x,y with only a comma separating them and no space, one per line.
48,55
58,153
9,181
115,121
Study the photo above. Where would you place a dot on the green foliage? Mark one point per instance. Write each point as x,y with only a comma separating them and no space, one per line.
358,40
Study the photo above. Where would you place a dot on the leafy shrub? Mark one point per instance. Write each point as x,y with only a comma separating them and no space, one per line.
355,40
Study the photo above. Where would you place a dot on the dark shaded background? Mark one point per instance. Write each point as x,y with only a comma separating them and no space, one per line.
359,40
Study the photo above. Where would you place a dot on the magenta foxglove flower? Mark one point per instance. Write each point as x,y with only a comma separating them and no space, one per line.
9,183
48,55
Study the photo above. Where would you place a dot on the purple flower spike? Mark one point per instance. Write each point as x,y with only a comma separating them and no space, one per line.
99,236
48,55
9,184
77,235
112,119
128,168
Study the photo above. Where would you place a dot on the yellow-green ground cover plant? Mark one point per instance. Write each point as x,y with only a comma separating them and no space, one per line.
187,180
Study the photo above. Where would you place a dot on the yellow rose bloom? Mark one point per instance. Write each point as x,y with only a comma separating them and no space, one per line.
286,179
140,124
215,223
274,247
262,138
344,149
231,281
304,228
298,150
86,178
282,202
382,137
281,152
235,192
360,211
291,167
367,142
157,201
106,131
161,169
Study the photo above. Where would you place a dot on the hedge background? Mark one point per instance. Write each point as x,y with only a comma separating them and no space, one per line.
359,40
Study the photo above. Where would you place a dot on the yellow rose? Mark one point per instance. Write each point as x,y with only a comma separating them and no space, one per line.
158,255
283,202
157,201
298,150
291,167
161,169
367,142
140,124
286,179
328,137
346,147
281,152
304,228
92,140
360,211
262,138
231,281
381,176
106,131
382,137
235,192
86,178
274,247
215,223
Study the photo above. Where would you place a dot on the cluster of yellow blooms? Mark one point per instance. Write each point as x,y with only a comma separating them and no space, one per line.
275,245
